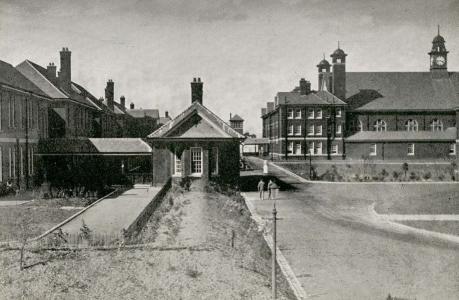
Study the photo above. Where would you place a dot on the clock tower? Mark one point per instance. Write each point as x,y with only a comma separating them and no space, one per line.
438,55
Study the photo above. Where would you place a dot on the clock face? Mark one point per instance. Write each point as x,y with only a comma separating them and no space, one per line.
440,60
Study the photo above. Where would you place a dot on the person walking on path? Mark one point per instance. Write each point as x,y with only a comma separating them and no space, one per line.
270,186
261,189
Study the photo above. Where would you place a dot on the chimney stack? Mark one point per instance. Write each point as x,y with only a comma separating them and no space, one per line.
196,90
305,87
123,102
109,92
167,114
131,106
51,72
65,73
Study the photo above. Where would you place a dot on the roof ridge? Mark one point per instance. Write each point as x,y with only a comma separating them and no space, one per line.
32,64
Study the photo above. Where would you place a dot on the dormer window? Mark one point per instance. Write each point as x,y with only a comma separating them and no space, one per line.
436,125
411,125
380,125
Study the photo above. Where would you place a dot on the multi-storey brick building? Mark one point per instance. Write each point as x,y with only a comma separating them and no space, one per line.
383,115
23,122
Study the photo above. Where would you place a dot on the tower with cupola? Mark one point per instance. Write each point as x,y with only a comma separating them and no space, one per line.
325,76
339,73
438,54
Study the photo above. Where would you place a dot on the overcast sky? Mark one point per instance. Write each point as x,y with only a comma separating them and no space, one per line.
244,51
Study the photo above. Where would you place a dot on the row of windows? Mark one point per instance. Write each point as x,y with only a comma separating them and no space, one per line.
312,130
314,148
12,161
410,125
410,149
25,111
312,113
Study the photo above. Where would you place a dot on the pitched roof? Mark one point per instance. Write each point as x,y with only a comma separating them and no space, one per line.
401,91
315,97
236,117
12,77
403,136
256,141
141,113
38,75
99,146
196,108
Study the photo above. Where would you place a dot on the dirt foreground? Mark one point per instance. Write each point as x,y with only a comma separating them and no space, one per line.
198,245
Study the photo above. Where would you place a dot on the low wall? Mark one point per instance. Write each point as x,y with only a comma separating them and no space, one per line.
145,215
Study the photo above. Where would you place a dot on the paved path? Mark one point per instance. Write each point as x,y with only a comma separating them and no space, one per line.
421,217
13,202
111,215
335,254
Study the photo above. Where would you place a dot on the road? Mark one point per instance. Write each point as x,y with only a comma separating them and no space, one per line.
338,253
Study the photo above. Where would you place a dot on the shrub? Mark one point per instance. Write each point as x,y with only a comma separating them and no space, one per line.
441,177
395,175
427,175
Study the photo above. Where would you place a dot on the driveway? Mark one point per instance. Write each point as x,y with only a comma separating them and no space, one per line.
111,215
337,252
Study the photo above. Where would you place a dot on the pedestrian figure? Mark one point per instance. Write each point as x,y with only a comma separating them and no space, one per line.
274,189
270,186
261,189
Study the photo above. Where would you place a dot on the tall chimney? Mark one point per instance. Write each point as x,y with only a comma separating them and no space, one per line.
123,101
196,90
305,87
109,92
65,73
51,72
131,106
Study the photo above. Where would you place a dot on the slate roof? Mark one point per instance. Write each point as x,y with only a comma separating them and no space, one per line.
195,108
256,141
38,75
387,91
403,136
315,97
141,113
98,146
236,118
12,77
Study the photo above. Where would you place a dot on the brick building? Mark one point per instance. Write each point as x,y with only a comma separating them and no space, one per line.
383,115
23,122
196,144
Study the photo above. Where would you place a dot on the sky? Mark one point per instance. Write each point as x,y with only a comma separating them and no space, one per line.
244,51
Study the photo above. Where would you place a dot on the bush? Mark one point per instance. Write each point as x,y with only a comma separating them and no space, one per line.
395,175
441,177
413,176
427,175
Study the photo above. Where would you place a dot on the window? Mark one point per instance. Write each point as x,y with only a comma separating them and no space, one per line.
297,148
334,149
452,149
298,130
177,165
411,125
290,130
290,113
290,148
311,130
319,113
318,130
214,159
436,125
410,149
1,164
373,149
22,160
380,125
30,160
311,148
310,113
196,161
318,148
298,114
338,112
338,129
10,162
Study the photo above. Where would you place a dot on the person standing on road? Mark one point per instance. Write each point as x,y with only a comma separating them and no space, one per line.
270,186
261,189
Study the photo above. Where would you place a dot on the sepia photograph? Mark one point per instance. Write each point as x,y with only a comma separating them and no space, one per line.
229,149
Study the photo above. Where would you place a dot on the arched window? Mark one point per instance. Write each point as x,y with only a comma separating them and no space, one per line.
436,125
411,125
380,125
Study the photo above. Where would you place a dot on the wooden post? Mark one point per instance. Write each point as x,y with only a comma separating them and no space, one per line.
273,279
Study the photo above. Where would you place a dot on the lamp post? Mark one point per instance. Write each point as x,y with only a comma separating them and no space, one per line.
274,254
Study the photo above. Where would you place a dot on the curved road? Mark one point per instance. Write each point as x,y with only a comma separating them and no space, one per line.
338,252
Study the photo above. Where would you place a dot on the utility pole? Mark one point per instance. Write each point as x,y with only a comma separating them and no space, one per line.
274,254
